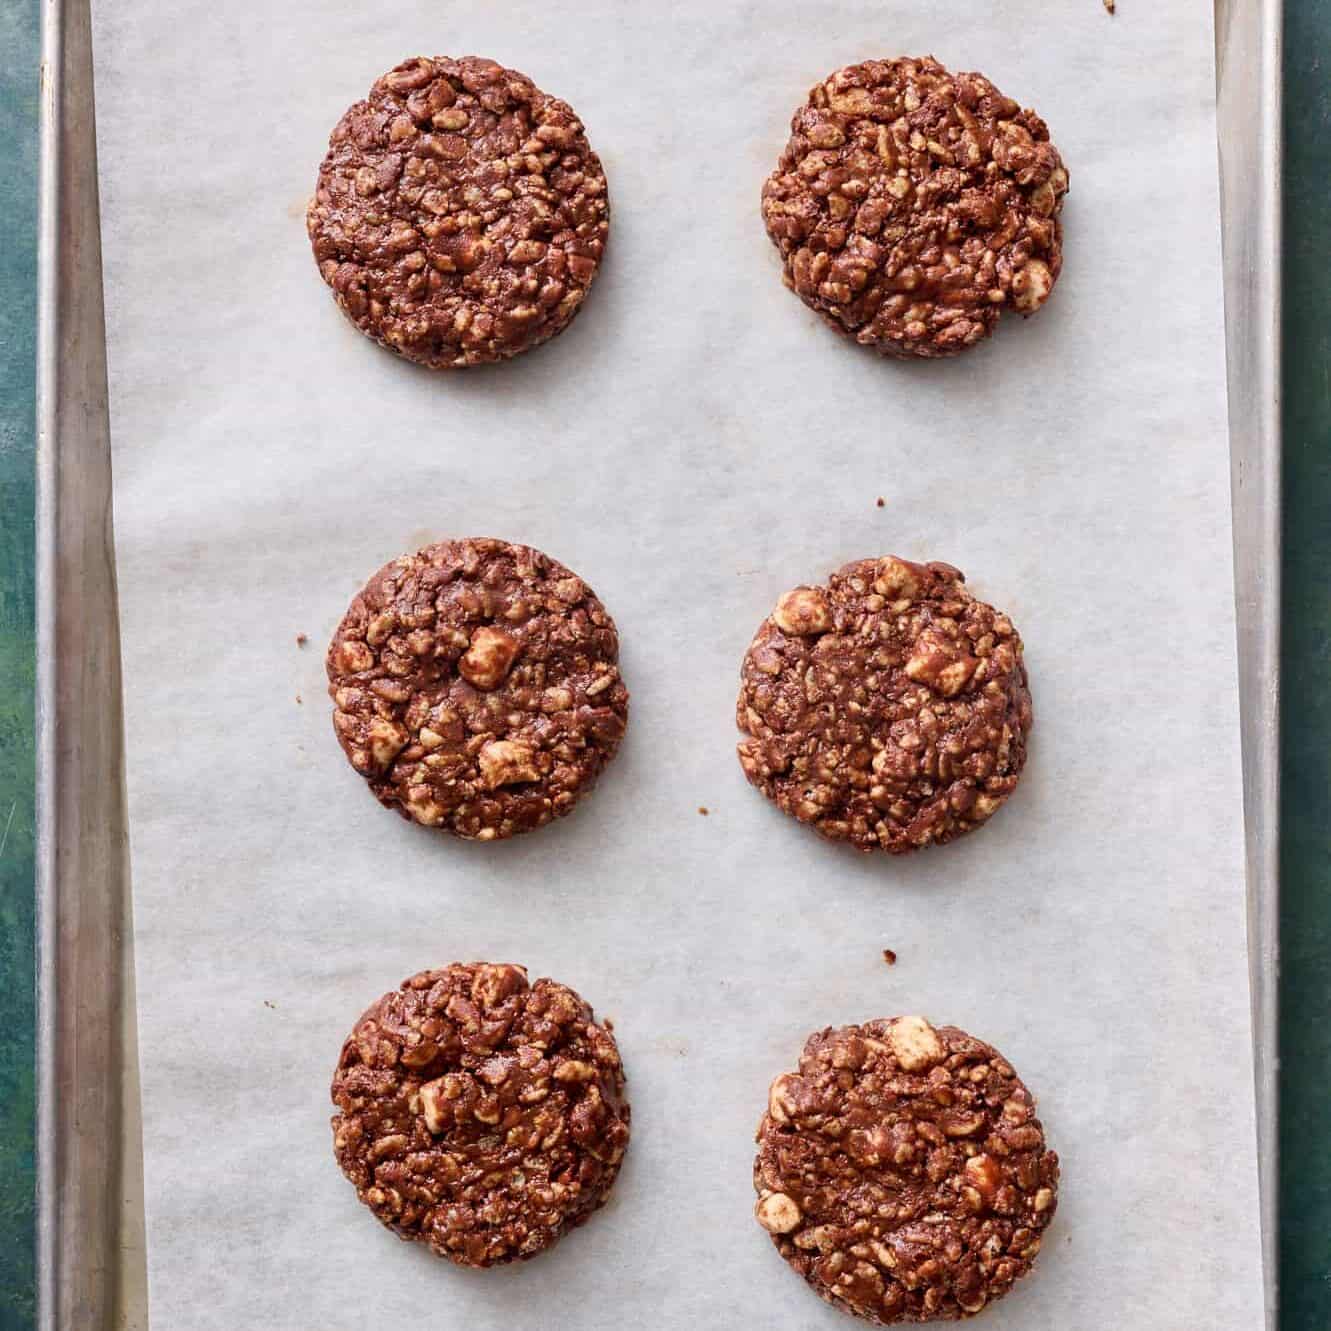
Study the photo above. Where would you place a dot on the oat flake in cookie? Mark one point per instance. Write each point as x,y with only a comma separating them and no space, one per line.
479,1114
888,709
460,214
476,687
912,206
902,1171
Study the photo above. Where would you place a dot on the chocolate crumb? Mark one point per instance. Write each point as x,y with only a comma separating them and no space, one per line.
1109,5
702,809
880,501
301,639
889,956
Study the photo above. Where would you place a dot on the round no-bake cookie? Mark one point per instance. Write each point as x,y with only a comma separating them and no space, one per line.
479,1114
460,214
476,687
902,1171
912,206
888,709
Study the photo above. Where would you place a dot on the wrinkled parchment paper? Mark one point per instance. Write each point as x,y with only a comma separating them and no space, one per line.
693,446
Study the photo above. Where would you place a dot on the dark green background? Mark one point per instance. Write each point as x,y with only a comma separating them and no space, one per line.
18,289
1306,663
1305,711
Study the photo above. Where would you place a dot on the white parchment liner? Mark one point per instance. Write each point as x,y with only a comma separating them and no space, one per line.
694,445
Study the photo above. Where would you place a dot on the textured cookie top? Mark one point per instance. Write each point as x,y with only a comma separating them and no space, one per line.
460,214
476,687
888,709
478,1114
912,205
902,1171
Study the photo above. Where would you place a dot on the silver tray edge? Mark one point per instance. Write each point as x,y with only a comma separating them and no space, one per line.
1248,100
91,1259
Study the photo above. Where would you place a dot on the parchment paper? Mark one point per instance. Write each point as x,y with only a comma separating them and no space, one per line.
693,446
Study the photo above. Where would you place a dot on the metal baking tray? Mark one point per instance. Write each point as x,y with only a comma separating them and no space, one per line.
91,1260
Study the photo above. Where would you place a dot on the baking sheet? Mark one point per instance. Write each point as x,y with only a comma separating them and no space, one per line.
695,444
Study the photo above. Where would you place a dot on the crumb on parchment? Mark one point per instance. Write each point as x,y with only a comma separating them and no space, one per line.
889,956
301,639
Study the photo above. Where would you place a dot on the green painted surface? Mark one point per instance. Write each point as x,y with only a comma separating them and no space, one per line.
1305,870
18,284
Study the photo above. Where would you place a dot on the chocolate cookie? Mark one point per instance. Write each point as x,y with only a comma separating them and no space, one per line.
460,214
477,688
888,709
478,1114
912,206
903,1172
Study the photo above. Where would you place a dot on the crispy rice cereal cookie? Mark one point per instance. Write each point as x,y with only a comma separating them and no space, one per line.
479,1114
476,687
912,206
888,709
902,1171
460,214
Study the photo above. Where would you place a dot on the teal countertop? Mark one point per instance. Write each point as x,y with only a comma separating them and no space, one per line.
18,305
1305,1028
1305,710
